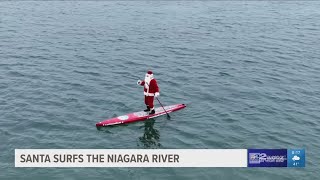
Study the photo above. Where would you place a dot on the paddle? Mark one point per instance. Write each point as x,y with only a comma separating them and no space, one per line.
163,108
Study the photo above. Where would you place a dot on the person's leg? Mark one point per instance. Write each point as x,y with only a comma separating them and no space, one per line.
151,106
146,101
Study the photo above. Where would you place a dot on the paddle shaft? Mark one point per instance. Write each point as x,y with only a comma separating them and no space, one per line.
163,107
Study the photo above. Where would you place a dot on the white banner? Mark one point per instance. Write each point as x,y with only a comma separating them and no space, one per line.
130,157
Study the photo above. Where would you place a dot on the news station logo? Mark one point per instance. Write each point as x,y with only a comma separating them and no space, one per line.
267,157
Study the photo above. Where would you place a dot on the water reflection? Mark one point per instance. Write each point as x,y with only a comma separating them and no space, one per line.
151,136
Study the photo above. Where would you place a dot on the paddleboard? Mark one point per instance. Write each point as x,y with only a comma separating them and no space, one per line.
140,116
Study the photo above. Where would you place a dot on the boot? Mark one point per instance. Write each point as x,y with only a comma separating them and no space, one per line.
152,111
147,110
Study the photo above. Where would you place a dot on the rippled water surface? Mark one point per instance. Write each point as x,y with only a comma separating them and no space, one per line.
248,72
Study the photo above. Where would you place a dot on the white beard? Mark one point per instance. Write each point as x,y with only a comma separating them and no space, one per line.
147,80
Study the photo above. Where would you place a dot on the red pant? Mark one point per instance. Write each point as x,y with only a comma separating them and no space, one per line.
148,100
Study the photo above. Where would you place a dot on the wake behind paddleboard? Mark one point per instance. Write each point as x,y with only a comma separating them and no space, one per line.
140,116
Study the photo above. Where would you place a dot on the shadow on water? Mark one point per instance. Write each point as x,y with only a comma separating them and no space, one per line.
108,129
151,136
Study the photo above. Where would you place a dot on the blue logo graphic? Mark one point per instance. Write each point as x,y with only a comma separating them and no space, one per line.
296,158
267,157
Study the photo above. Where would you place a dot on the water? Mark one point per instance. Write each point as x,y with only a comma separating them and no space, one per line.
248,72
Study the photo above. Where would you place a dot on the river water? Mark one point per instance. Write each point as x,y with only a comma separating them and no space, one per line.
248,72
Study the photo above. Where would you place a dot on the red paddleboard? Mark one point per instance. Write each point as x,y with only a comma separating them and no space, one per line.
140,116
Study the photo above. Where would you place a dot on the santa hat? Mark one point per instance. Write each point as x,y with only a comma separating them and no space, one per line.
149,75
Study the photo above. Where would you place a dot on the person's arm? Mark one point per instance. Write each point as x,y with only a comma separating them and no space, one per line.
140,82
156,86
157,89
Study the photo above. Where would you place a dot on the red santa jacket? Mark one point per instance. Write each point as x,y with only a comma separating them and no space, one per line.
151,88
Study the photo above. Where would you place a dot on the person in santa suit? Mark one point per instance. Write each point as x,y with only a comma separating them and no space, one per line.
151,90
